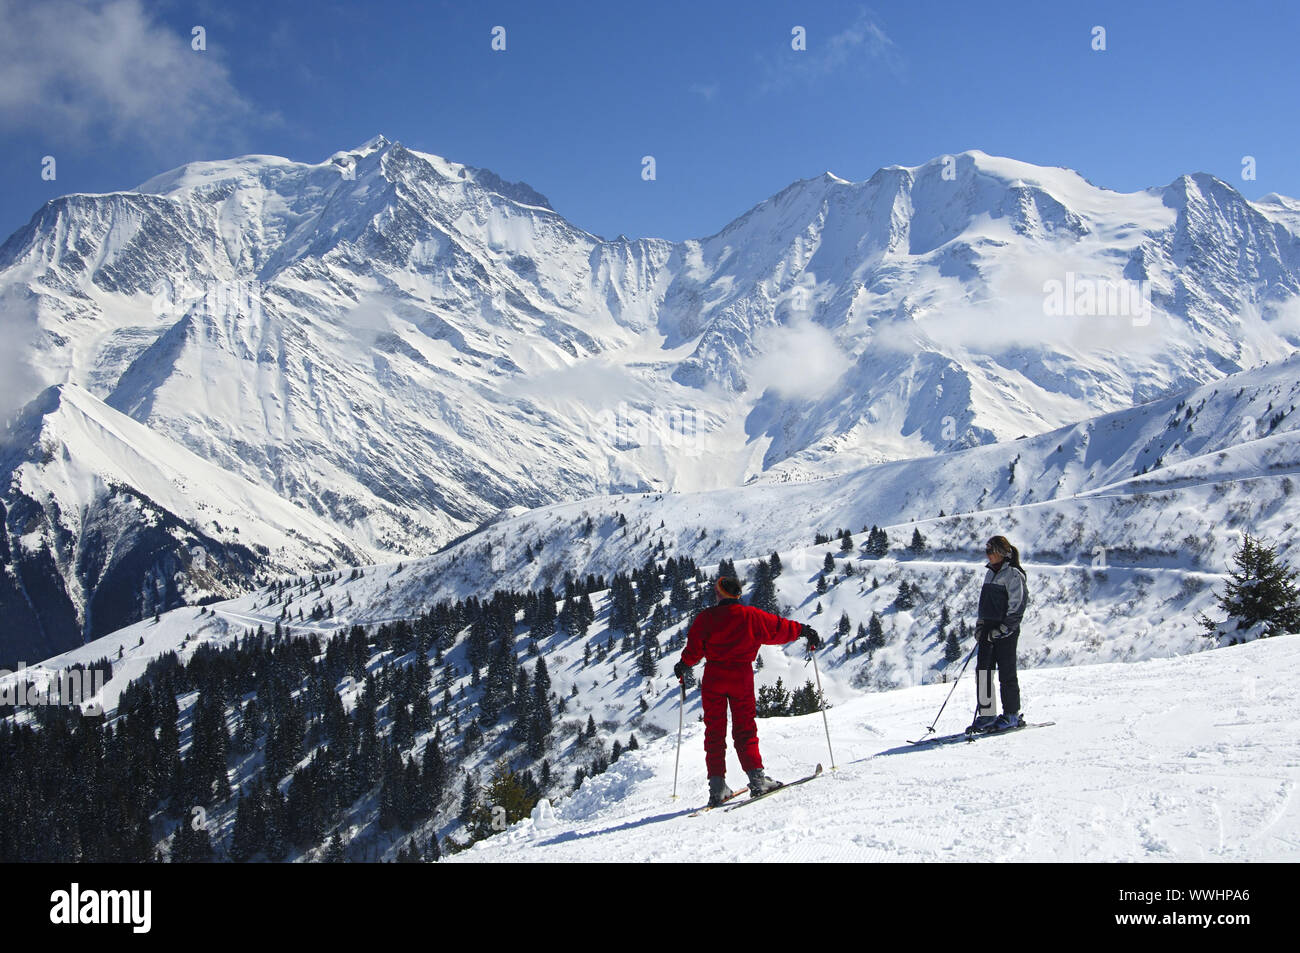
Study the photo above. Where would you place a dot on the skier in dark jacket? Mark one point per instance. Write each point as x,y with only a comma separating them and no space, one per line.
727,636
1002,604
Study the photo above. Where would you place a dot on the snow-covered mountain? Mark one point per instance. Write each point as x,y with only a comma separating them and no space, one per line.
111,522
402,347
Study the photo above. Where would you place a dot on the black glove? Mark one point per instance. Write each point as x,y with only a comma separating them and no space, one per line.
814,640
999,632
680,670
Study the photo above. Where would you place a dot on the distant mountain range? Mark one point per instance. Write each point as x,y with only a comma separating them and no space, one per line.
258,366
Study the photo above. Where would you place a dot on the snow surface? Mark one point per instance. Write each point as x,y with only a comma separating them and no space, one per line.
1182,759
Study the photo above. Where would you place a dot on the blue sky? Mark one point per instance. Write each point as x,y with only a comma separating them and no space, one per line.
731,113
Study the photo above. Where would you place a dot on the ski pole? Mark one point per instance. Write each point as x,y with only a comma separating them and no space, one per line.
825,723
681,715
930,730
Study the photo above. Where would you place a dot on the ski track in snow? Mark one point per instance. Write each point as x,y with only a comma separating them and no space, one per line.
1194,758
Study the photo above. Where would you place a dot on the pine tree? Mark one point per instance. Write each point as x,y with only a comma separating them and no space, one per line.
764,596
506,799
875,633
806,700
951,648
334,853
846,544
917,546
828,564
844,626
434,779
544,621
772,701
499,685
542,693
1261,592
647,666
468,800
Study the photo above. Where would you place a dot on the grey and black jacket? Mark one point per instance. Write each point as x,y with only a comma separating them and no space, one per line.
1002,600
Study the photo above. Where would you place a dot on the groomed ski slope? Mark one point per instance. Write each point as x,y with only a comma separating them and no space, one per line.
1194,758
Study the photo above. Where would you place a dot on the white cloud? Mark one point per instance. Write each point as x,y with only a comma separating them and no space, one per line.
596,383
1283,319
1011,312
19,381
77,69
801,360
862,42
706,91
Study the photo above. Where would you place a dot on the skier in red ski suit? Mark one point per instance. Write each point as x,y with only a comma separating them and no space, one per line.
727,636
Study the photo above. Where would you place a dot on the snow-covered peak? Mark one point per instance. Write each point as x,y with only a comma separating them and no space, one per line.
209,174
375,144
1281,209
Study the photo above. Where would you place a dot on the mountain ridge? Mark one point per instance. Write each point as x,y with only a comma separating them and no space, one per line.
404,347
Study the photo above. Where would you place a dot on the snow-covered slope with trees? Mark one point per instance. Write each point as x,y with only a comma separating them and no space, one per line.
1140,512
1126,522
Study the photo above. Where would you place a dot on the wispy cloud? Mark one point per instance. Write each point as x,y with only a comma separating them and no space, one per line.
801,344
862,43
706,91
74,70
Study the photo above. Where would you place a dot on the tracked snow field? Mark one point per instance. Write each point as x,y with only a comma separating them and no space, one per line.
1194,758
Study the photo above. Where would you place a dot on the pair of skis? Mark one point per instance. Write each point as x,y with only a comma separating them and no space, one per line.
757,797
976,736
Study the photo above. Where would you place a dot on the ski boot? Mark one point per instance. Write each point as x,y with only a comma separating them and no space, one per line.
718,791
760,783
981,724
1006,722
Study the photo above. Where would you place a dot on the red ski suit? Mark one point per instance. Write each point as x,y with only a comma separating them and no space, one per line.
727,637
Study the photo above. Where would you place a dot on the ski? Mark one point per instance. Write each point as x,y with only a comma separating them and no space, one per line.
759,797
708,807
938,740
964,736
1008,731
